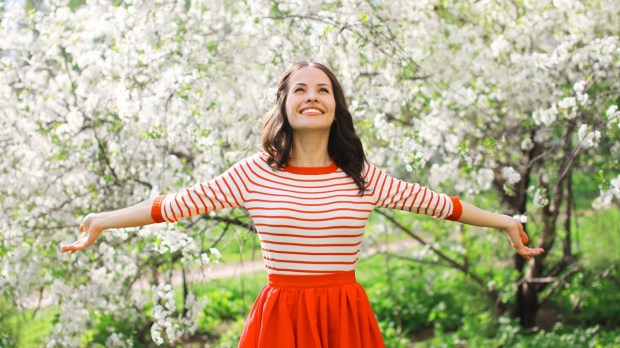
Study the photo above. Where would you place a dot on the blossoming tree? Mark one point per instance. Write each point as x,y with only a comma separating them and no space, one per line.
105,104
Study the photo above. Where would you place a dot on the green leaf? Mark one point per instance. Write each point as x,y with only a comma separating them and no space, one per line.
363,17
212,46
508,190
56,319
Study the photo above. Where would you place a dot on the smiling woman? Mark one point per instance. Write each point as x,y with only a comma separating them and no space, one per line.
302,87
309,194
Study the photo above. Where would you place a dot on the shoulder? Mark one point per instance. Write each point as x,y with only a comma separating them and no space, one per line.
370,172
370,168
373,173
258,159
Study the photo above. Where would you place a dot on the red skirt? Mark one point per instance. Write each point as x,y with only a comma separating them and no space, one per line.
315,311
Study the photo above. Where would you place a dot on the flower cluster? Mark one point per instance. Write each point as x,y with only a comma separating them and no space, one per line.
168,326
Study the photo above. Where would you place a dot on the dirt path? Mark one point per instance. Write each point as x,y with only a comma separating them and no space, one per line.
228,270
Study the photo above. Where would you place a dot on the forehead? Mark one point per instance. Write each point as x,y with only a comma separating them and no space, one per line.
310,76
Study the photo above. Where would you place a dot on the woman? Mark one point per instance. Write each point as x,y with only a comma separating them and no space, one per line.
309,195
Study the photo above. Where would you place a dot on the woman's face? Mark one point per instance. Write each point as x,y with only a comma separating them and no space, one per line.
310,103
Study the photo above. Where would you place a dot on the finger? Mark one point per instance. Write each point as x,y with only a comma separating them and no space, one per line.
536,251
531,252
77,242
75,246
524,255
82,228
523,235
66,247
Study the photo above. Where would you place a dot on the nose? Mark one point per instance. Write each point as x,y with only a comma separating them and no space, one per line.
311,97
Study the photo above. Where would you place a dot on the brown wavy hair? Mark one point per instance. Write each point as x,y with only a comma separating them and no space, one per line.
344,146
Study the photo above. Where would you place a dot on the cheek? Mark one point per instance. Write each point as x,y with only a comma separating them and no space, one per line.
332,103
290,104
288,107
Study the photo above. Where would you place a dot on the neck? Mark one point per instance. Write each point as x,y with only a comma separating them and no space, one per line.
310,149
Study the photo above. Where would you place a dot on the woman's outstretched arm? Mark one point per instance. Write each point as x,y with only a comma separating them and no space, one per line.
472,215
93,224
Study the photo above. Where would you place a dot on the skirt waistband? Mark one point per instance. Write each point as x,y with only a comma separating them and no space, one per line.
311,281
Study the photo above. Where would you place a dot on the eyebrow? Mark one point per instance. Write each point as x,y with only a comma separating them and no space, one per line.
318,84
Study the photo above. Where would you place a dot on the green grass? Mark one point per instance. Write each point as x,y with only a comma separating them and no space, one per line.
596,236
32,332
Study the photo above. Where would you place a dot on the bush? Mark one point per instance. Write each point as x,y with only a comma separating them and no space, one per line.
592,297
420,296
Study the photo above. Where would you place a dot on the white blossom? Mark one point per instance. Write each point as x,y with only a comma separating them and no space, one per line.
545,116
569,105
612,111
540,197
442,172
156,334
510,175
527,144
613,116
605,198
499,45
216,254
485,178
117,340
615,186
603,201
587,137
579,88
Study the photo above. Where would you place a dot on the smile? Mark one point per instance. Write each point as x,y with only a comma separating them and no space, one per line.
311,112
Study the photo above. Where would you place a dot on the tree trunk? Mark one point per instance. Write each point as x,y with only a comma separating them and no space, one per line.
568,219
185,291
527,295
526,305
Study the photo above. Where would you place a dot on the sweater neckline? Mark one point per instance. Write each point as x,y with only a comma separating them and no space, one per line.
333,167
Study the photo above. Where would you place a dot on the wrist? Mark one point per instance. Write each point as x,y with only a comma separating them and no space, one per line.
99,221
506,223
512,228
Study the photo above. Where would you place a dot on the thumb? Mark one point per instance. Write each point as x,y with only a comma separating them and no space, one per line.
522,234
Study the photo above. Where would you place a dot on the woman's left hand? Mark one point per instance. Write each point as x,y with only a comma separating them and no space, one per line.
518,238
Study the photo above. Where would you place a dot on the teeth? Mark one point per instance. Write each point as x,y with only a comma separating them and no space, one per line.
310,110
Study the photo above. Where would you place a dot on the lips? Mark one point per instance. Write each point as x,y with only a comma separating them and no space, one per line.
311,111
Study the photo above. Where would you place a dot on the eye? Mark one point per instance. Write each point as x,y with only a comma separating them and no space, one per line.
324,90
298,89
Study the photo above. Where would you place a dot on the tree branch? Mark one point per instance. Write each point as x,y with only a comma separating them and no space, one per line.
445,257
559,281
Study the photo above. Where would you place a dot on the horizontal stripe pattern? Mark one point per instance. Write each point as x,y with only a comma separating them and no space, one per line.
308,223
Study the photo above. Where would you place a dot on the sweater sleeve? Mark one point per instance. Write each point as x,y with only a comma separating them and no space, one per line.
389,192
224,191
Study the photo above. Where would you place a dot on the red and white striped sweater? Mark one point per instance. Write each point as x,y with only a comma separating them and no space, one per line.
309,220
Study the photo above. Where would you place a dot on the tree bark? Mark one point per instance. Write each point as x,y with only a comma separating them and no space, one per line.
568,219
528,302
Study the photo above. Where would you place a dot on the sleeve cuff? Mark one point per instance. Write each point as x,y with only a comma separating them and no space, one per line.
457,209
156,209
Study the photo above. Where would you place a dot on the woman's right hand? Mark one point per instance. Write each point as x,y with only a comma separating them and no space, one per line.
91,228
